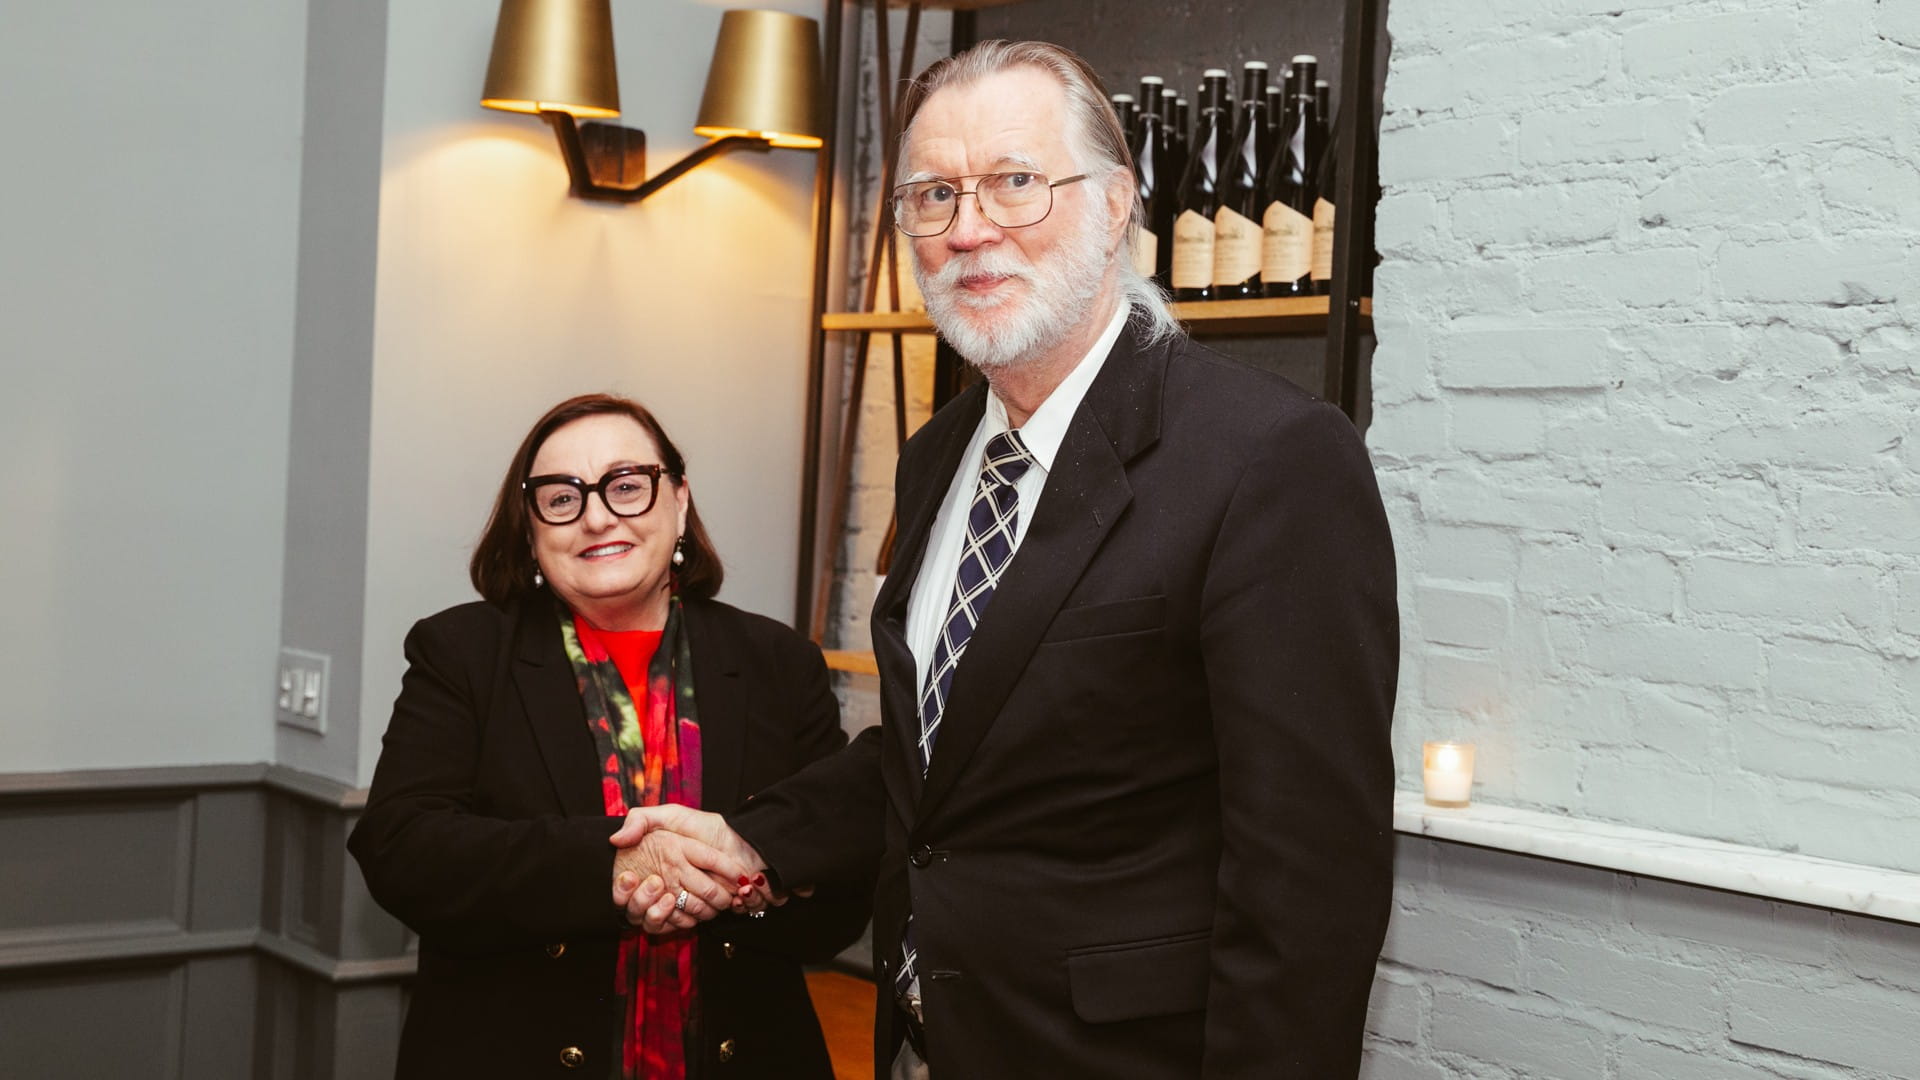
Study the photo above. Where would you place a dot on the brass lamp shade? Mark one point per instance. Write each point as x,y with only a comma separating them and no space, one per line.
764,80
554,55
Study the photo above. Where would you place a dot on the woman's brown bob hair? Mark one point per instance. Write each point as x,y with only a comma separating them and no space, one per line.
502,566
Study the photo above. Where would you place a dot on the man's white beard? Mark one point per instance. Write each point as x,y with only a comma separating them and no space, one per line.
1058,300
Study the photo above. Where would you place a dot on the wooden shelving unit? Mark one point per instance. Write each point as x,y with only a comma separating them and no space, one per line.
1293,315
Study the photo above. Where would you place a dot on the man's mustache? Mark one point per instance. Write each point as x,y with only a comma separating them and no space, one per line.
998,264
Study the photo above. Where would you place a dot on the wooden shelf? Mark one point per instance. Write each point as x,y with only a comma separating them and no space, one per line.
912,322
857,663
1293,315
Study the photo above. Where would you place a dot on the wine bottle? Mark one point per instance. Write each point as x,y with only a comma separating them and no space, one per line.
1155,181
1182,131
1320,268
1173,116
1125,110
1236,222
1275,97
1148,98
1323,106
1287,233
1191,266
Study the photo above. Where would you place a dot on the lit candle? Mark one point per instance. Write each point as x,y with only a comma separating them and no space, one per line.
1447,769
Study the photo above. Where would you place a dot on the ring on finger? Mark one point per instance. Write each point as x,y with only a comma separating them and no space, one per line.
680,901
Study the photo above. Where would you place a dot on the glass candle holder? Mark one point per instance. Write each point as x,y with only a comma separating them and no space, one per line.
1446,768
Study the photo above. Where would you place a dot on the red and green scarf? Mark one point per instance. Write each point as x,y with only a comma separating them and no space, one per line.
647,758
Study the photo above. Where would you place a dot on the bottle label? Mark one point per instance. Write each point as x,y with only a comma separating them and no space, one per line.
1286,250
1236,248
1146,251
1323,215
1192,251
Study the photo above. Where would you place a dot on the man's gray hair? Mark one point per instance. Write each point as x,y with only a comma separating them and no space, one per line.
1094,138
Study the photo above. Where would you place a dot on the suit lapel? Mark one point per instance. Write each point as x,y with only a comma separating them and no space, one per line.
1085,494
550,701
720,699
917,504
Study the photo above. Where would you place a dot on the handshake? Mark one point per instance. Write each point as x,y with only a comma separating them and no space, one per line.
677,867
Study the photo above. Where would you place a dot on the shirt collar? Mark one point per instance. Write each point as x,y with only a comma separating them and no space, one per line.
1046,429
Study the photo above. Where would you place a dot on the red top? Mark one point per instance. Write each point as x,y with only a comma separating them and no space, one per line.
631,652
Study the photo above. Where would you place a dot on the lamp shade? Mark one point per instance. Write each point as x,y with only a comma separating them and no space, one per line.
553,54
764,79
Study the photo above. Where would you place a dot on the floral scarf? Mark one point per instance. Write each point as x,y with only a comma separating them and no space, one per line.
646,759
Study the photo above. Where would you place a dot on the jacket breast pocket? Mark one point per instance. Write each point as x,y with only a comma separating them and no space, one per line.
1110,618
1128,981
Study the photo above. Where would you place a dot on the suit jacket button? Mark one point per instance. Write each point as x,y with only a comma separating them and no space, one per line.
726,1051
921,857
557,951
572,1058
726,949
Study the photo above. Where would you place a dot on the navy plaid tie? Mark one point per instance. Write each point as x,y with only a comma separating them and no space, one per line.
989,548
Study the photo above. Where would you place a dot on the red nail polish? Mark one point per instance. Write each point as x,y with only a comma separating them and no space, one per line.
760,879
744,880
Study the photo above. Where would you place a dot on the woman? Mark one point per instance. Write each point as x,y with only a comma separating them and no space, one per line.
598,675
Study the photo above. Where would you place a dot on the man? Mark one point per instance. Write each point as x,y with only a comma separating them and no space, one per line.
1132,792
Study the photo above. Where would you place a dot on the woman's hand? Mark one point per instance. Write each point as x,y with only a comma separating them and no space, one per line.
648,895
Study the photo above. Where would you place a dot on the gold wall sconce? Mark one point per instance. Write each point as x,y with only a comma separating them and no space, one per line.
555,58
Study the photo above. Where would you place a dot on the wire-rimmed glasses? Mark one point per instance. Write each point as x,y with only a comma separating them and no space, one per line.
628,491
1010,200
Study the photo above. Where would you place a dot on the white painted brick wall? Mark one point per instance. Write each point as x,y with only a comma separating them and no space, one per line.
1646,401
1505,966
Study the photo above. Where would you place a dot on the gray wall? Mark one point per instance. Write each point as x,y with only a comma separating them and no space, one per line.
205,919
147,284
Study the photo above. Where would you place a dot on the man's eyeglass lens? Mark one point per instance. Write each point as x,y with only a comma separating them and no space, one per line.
561,500
1011,200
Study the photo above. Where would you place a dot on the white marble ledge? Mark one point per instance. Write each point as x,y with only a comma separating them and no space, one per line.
1779,875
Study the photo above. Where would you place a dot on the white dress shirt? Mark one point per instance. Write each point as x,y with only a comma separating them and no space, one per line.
1043,432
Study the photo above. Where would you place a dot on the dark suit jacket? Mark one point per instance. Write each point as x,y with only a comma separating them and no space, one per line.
1156,838
485,832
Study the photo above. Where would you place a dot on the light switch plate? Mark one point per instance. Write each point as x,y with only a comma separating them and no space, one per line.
300,690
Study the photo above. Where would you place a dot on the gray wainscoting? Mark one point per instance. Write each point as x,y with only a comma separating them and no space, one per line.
194,923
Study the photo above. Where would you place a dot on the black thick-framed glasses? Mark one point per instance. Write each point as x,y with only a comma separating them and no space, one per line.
627,491
1010,200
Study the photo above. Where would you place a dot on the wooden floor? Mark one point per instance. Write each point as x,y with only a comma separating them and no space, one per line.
845,1005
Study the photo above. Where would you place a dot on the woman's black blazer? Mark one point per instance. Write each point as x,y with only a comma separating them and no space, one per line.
485,832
